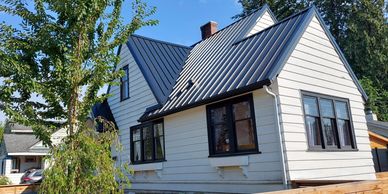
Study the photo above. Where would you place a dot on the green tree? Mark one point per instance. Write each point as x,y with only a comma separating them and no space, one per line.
64,52
361,30
281,8
366,48
2,129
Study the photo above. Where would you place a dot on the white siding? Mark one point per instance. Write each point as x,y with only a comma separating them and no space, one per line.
187,166
263,22
127,112
315,66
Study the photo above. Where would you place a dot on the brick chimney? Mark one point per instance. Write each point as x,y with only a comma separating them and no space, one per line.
208,29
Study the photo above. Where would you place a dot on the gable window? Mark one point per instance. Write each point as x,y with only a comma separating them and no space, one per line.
147,142
231,127
328,122
124,84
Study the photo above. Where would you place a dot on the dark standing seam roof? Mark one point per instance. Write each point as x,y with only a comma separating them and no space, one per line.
160,62
103,110
226,64
222,65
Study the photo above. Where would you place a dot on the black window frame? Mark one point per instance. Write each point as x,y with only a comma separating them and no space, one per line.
230,121
126,71
151,125
324,146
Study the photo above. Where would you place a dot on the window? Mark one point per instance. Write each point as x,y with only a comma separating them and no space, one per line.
328,122
15,165
231,127
29,159
124,86
147,142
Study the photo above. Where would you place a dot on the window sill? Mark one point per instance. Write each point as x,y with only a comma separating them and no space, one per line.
123,99
220,163
234,154
148,167
230,161
331,150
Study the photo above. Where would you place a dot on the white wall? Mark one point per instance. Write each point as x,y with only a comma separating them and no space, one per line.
188,167
127,112
315,66
263,22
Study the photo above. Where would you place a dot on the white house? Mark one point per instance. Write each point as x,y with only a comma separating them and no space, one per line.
249,108
20,151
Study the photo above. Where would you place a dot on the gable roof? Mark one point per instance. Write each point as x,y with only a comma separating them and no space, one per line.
15,143
159,61
103,110
225,64
378,127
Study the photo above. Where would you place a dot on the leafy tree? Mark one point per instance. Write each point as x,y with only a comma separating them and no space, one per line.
64,52
360,28
2,129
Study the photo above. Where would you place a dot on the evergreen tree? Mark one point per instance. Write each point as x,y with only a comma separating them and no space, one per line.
281,8
360,28
366,48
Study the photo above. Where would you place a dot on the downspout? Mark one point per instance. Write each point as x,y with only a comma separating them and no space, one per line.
283,160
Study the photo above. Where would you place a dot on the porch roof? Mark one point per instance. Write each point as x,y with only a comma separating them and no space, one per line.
22,143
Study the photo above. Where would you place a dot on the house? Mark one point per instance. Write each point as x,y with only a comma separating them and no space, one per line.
21,150
378,136
249,108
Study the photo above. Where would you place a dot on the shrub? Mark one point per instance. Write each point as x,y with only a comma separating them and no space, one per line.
4,180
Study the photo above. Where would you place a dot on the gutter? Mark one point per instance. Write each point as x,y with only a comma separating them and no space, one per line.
282,150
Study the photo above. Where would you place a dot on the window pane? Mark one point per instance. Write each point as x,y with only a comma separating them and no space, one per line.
245,135
218,115
147,149
313,131
124,89
241,110
159,147
342,110
328,130
344,132
326,108
147,132
221,138
136,151
158,129
310,105
136,135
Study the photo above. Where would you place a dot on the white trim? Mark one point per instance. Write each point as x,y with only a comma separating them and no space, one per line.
27,154
229,161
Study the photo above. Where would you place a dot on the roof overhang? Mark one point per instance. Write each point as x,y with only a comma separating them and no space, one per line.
27,154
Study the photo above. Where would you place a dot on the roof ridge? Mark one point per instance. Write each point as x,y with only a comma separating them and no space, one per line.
231,24
162,41
276,24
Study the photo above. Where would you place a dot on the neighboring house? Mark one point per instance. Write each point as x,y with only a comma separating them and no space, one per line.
249,108
378,136
21,150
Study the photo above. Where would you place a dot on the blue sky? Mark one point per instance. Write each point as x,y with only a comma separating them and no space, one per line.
179,20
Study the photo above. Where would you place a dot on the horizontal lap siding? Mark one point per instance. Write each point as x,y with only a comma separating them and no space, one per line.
315,66
187,155
263,22
127,112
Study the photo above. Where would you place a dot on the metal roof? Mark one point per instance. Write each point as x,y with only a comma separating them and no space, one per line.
223,65
226,64
159,61
103,110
